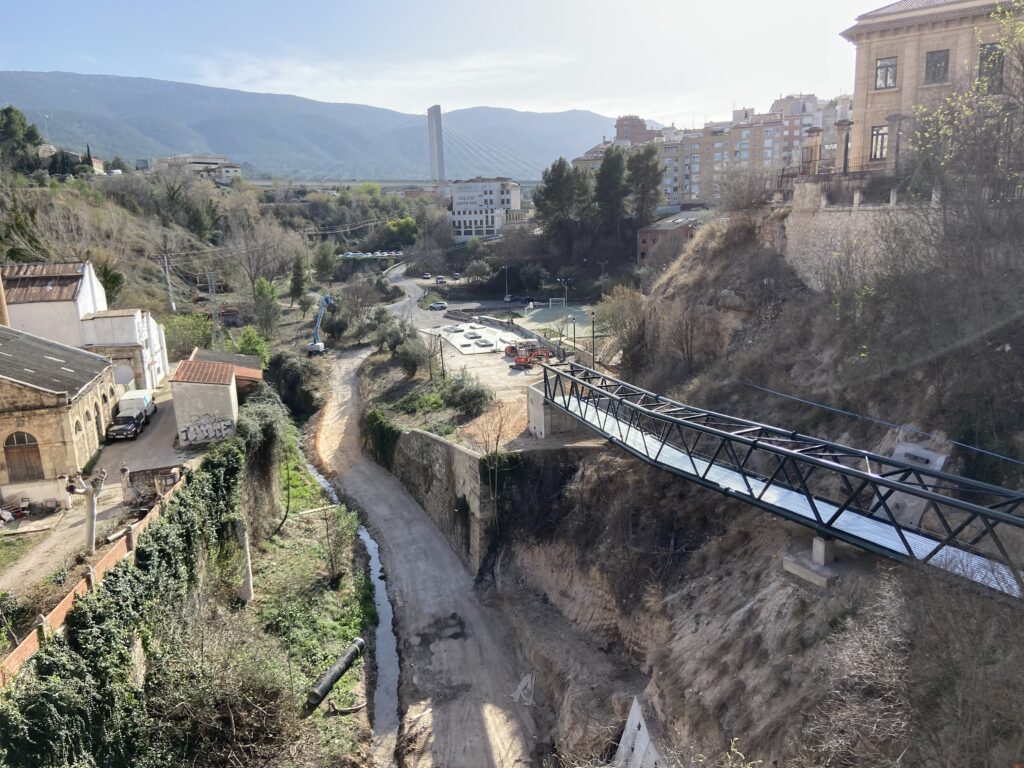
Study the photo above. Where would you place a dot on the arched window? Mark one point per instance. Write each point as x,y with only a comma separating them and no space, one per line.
78,427
21,454
88,416
106,401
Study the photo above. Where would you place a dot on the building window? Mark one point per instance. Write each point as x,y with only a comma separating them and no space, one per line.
990,67
879,142
21,454
885,73
936,66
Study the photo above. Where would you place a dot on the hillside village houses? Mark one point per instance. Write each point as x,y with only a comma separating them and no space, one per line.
66,303
216,167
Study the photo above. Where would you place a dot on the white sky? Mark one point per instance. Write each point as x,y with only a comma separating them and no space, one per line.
681,61
668,60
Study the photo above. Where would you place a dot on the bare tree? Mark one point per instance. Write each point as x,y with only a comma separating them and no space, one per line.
742,188
256,245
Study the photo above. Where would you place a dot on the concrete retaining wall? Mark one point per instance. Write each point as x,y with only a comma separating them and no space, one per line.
445,479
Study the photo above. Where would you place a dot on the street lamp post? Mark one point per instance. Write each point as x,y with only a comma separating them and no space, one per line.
574,334
505,267
593,338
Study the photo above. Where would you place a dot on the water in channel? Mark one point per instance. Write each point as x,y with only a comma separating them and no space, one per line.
385,696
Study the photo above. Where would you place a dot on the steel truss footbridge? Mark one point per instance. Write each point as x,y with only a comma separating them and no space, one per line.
893,508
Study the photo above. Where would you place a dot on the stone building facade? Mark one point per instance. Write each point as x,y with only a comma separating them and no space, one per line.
914,53
55,404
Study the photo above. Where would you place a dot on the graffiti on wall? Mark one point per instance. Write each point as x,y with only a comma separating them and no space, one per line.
205,428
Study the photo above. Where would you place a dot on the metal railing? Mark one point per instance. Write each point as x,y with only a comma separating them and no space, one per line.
895,508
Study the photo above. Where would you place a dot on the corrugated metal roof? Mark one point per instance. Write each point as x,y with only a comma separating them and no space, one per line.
30,283
43,364
204,372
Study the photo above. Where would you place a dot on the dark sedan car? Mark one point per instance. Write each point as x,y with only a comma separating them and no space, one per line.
126,426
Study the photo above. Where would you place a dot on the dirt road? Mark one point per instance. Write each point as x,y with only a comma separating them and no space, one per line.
457,672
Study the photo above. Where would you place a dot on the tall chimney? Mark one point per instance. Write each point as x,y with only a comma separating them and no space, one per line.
5,319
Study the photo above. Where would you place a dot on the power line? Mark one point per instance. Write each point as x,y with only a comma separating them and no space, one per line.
883,422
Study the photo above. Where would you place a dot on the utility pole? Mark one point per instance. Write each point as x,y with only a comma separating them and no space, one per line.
167,278
505,267
213,310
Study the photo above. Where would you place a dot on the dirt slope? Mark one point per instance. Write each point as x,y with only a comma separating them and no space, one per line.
458,670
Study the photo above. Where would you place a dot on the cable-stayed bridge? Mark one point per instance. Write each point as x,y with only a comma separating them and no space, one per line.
436,146
891,507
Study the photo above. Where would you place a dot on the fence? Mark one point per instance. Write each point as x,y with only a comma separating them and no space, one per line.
54,620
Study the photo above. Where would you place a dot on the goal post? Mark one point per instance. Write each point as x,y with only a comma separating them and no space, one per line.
552,303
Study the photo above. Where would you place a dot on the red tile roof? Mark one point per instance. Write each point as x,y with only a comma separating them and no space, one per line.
203,372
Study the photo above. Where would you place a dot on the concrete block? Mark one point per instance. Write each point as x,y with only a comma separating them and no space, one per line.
805,569
823,551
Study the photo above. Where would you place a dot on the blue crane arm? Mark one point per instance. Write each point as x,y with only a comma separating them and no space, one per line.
325,302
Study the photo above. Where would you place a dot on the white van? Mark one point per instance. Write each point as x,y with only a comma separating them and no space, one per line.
137,400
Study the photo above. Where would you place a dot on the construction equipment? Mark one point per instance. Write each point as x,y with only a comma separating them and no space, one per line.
316,347
527,359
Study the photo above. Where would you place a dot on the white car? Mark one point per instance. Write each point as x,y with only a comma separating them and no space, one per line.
438,305
426,275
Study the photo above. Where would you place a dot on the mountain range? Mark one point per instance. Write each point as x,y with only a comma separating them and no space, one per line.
287,135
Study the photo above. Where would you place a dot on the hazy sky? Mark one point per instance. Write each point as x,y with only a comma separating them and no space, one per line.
668,60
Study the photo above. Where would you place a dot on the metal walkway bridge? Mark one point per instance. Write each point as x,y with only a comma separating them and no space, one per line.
903,511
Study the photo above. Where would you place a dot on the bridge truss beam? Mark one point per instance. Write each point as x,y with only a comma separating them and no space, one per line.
893,508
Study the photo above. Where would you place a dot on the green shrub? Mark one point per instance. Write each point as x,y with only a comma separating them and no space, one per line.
423,402
465,393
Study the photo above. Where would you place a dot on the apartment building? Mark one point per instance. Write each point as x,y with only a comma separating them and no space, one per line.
914,53
482,207
632,130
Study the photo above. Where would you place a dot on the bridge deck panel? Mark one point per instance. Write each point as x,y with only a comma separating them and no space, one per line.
881,534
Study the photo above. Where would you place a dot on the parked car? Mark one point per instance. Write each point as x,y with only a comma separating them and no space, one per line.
440,280
509,298
438,305
426,275
456,276
137,400
126,426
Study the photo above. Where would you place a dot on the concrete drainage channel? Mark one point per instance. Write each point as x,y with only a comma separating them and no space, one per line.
385,695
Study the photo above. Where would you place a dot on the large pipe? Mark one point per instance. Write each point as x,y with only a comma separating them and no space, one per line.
323,686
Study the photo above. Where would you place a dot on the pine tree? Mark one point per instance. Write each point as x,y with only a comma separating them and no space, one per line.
298,284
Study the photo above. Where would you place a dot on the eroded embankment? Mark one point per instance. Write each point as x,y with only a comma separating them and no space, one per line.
621,579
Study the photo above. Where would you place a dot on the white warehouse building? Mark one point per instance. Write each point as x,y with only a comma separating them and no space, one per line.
482,207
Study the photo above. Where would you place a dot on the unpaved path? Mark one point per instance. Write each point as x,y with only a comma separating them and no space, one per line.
458,670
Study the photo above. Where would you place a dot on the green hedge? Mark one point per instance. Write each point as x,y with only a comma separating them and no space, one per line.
381,437
78,704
